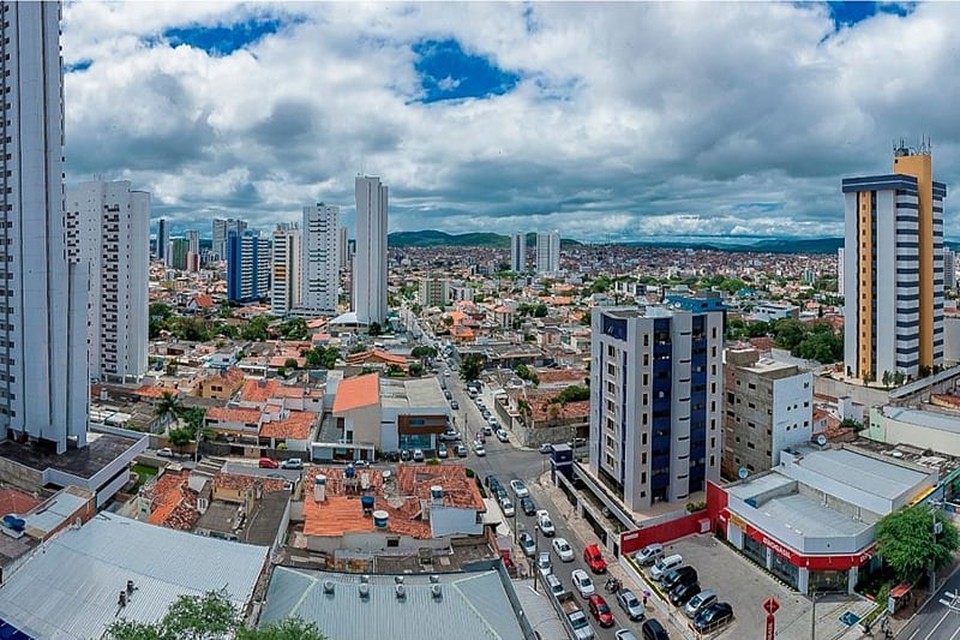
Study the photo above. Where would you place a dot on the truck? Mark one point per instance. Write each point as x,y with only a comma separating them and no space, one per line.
573,617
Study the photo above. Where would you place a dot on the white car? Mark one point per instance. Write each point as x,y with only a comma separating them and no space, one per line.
583,583
563,549
545,524
508,509
519,489
166,452
502,435
544,565
479,450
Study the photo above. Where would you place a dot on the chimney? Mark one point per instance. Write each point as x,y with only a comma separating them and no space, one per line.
320,488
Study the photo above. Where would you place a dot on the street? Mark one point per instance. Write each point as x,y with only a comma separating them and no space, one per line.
935,621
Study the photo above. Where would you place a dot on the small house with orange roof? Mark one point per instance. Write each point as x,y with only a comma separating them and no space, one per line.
377,358
234,423
356,410
220,385
293,429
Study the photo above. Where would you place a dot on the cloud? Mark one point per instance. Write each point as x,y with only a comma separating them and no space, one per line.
606,121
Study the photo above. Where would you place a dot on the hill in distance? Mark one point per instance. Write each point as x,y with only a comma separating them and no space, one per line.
432,238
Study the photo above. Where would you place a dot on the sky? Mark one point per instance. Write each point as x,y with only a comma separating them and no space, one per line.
606,121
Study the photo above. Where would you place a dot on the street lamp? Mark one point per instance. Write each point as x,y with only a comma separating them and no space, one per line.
936,530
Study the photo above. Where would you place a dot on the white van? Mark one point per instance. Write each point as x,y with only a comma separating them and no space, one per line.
663,565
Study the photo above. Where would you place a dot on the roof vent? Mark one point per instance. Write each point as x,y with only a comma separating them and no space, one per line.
364,590
436,591
434,578
364,579
328,587
436,493
366,502
401,592
398,579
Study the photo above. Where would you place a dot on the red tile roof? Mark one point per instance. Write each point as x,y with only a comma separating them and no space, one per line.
356,392
295,426
174,504
233,414
458,490
16,501
258,389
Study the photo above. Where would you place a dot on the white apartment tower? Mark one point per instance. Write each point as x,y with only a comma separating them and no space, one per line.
108,227
548,252
370,261
518,252
840,271
949,269
221,227
44,382
320,286
286,271
656,402
344,249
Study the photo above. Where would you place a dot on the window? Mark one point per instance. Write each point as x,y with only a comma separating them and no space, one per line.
393,541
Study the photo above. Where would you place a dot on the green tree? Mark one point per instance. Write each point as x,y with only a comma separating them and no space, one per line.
526,373
375,329
394,370
290,363
181,437
209,617
540,311
295,329
168,406
424,351
906,541
789,333
472,366
256,329
573,393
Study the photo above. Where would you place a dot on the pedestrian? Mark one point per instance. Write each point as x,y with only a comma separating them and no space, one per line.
646,596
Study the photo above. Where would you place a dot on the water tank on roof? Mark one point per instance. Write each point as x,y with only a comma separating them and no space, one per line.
380,519
349,472
436,492
367,503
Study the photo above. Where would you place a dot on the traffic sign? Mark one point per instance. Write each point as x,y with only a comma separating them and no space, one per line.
770,605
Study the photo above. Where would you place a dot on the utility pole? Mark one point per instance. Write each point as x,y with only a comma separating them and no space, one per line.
813,616
935,529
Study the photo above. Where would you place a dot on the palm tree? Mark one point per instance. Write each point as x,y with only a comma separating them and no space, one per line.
168,406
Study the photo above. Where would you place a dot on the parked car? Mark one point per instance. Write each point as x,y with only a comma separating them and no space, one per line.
491,481
577,442
527,506
653,630
546,447
527,544
448,395
545,524
418,455
554,584
454,405
487,430
267,463
450,435
166,452
630,604
600,610
703,599
405,455
519,489
594,559
583,583
544,565
292,463
713,616
462,451
625,634
563,549
479,449
681,594
442,451
664,565
507,507
361,464
649,554
680,575
502,435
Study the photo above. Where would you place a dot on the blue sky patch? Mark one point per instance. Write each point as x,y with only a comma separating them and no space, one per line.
78,66
222,40
847,14
449,73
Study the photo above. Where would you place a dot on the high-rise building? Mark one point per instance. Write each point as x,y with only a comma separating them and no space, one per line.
43,369
949,269
285,285
893,269
769,407
221,227
108,228
840,271
163,240
548,252
320,286
248,266
434,292
344,248
518,252
656,402
370,262
193,241
178,253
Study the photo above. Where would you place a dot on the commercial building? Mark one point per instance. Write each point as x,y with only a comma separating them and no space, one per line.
248,266
193,241
370,263
108,229
811,521
518,252
893,269
655,402
840,276
320,284
768,408
163,239
286,259
221,228
178,253
773,311
44,369
548,252
434,292
927,428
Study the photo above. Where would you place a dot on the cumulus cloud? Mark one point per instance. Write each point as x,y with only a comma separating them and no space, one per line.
621,120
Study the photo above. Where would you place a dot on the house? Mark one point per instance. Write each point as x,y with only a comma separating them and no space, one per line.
221,385
233,423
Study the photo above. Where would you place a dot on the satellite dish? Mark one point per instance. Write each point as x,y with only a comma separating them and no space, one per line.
822,440
742,473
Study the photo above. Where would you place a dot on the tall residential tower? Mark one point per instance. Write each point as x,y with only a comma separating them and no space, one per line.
518,252
44,383
370,261
893,269
548,252
285,284
320,286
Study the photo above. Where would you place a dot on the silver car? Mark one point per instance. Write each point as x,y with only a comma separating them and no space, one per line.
630,604
703,599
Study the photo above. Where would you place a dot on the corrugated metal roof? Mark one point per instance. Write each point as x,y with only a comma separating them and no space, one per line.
53,514
867,474
70,590
474,606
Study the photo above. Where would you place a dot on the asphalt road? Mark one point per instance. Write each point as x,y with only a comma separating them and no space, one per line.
934,621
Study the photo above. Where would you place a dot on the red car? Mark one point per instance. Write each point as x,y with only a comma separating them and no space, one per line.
267,463
594,560
600,610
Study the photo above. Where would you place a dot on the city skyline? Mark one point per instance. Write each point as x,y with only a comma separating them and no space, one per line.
562,116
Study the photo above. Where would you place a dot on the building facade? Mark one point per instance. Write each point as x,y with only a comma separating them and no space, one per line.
768,408
840,271
44,380
433,292
893,269
178,253
221,227
518,252
548,252
163,239
108,228
248,266
344,249
286,256
321,259
655,402
949,269
370,262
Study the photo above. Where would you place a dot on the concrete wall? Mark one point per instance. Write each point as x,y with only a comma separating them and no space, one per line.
446,521
886,429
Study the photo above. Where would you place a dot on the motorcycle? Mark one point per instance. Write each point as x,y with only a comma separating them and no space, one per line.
612,586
